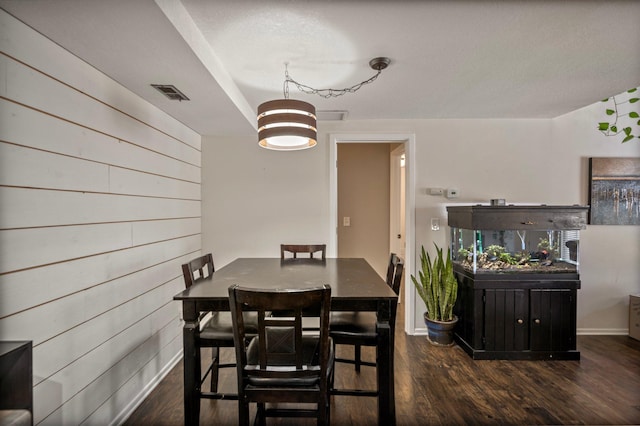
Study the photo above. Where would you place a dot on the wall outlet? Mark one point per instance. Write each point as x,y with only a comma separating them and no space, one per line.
452,193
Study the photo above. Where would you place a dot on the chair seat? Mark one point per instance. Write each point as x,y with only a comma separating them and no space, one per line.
309,358
353,324
220,326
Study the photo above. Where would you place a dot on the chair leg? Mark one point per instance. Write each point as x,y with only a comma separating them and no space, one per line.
215,366
324,412
328,416
332,377
261,418
197,373
243,413
357,356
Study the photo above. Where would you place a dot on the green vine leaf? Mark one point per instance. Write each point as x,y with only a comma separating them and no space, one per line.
621,109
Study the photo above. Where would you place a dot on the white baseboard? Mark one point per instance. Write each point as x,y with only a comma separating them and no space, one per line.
146,391
603,331
421,331
581,331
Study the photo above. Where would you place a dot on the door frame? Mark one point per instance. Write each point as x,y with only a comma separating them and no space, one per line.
396,200
408,139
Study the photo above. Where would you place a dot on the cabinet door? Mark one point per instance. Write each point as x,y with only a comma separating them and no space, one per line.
553,320
506,320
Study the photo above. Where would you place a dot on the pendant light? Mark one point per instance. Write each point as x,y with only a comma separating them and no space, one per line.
289,124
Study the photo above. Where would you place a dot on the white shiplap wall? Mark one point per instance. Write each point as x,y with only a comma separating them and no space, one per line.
99,205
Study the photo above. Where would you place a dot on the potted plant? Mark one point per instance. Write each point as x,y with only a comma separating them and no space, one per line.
438,288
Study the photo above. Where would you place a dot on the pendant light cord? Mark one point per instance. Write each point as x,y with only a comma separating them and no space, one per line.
325,93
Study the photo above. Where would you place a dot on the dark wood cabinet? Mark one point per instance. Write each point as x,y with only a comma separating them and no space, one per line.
517,271
516,317
16,383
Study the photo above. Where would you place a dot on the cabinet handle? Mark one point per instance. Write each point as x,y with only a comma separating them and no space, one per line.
520,321
537,321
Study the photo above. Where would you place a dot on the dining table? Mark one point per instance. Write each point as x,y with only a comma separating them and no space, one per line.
355,286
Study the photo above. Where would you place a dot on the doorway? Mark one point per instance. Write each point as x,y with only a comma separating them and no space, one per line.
407,141
363,203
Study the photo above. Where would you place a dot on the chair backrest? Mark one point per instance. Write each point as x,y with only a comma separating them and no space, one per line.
197,269
394,272
280,339
303,248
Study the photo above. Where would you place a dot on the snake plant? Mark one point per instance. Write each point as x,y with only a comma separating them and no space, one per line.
437,286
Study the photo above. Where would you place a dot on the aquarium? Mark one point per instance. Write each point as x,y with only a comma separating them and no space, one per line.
508,239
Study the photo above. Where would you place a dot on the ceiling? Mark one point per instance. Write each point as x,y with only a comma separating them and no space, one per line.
449,59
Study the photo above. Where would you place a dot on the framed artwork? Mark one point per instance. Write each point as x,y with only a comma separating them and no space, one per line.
614,191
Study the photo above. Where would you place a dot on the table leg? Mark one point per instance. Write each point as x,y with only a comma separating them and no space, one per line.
191,360
385,367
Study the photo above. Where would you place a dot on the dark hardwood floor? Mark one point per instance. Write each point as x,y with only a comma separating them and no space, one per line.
444,386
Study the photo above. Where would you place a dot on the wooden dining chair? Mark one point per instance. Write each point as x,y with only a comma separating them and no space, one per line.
289,254
294,249
394,278
358,329
282,364
216,328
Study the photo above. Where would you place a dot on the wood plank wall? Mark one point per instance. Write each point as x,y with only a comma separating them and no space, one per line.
99,205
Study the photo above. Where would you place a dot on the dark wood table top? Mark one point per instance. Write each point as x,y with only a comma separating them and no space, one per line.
350,279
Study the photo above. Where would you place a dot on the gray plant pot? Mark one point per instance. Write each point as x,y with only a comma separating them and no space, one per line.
440,332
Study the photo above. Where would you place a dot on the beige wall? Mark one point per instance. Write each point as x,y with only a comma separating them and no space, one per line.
526,161
535,161
254,199
363,196
610,255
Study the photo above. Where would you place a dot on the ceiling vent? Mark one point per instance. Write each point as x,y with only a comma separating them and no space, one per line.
331,115
170,92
